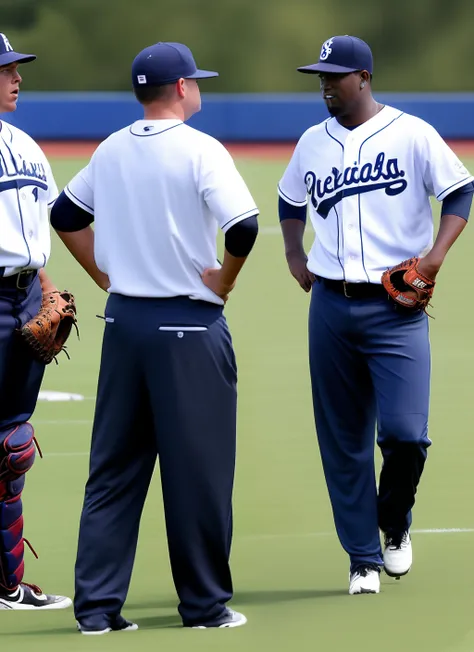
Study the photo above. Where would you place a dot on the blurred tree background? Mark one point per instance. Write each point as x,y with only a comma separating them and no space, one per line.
256,45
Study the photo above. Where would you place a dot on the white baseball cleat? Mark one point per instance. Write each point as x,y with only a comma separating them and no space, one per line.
397,554
29,597
364,579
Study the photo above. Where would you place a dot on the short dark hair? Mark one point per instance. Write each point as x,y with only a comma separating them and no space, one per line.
149,94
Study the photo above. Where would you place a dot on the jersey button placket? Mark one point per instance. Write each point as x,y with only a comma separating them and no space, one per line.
350,220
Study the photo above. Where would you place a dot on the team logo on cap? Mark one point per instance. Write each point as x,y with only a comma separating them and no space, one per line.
6,42
141,79
326,50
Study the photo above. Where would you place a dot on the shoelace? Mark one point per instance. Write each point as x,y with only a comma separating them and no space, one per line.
364,569
36,589
395,540
31,548
38,447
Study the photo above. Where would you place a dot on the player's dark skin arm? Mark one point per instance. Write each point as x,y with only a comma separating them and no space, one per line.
81,245
293,232
451,227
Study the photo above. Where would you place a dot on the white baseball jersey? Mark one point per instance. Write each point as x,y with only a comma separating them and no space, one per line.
368,191
27,189
158,191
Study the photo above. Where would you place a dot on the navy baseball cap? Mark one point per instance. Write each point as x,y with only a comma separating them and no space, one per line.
342,54
8,55
165,63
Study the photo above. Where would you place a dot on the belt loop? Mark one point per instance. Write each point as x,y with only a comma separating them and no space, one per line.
30,277
346,294
2,272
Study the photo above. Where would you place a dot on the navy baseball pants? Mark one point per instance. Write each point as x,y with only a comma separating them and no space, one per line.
167,387
20,375
370,368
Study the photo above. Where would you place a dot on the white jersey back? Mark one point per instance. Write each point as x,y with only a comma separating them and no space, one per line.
27,188
368,191
158,191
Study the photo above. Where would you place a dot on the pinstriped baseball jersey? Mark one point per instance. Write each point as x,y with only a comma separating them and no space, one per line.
368,191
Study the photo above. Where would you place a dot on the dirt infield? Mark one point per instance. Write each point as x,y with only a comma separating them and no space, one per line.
276,151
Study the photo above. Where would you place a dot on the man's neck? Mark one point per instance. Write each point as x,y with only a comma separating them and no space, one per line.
362,114
160,112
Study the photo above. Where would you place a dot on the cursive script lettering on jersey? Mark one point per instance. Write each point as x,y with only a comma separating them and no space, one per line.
23,169
355,181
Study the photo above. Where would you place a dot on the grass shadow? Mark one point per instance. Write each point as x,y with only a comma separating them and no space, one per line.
152,622
248,598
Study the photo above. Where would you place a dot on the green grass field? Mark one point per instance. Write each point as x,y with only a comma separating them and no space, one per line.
290,574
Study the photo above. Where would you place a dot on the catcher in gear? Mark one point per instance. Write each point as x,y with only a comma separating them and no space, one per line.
24,250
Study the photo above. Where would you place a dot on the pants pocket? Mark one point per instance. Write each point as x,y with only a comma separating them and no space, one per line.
190,329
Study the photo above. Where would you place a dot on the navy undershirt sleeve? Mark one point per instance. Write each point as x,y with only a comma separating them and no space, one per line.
68,216
459,202
240,238
287,211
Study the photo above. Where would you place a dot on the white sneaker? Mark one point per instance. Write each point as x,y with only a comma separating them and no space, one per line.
364,579
31,597
397,554
230,618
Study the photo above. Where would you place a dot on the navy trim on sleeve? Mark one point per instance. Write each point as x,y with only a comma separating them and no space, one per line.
241,237
68,216
287,211
459,202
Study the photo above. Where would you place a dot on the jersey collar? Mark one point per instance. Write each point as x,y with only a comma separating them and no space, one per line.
381,120
153,127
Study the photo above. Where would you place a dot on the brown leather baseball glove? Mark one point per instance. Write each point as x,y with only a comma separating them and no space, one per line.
47,332
407,287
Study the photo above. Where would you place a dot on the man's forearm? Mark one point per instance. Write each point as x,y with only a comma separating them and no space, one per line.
451,227
293,233
231,266
46,284
81,245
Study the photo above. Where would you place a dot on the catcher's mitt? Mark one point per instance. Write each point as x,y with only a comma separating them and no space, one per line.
48,331
407,287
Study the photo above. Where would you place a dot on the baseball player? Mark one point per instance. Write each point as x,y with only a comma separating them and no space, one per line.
367,174
157,192
27,188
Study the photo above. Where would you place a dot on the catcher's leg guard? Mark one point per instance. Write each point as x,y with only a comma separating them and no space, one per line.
17,454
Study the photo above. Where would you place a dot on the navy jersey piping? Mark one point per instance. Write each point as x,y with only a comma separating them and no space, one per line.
293,201
80,200
331,136
338,248
360,212
461,182
362,241
22,225
253,211
157,133
11,156
377,132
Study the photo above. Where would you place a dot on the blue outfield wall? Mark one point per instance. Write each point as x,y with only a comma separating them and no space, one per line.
228,117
